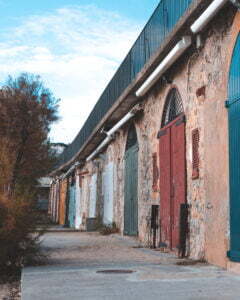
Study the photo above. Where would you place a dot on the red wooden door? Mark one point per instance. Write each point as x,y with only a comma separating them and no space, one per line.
172,180
178,176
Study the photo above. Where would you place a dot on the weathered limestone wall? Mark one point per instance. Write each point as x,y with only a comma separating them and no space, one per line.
201,78
216,167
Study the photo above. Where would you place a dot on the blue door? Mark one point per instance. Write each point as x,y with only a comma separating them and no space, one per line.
233,105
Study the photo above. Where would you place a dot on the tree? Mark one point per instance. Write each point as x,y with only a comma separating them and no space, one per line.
27,109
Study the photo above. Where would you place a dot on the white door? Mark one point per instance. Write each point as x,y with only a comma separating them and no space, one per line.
78,218
93,196
107,188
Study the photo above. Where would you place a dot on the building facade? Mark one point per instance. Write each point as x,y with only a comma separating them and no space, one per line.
162,163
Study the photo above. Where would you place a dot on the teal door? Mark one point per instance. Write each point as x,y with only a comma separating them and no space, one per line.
131,184
233,105
72,205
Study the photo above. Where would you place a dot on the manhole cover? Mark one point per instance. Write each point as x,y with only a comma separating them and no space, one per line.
115,271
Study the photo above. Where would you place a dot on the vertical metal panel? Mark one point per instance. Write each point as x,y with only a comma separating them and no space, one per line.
184,229
93,196
78,218
155,172
195,153
72,205
155,226
107,188
131,185
161,23
165,186
234,152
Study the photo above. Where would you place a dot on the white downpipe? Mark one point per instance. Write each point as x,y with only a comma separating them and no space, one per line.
173,55
111,132
207,15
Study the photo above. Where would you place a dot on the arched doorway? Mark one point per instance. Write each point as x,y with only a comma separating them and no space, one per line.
131,184
233,105
172,169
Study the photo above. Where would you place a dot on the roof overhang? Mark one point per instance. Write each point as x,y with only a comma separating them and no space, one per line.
128,98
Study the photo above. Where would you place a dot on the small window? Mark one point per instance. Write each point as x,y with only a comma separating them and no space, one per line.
155,172
195,154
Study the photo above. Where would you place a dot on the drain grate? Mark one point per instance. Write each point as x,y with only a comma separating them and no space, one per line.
115,271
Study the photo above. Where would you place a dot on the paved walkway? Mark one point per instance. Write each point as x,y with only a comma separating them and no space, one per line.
78,259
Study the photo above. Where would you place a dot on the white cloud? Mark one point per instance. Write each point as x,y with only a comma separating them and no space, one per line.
76,50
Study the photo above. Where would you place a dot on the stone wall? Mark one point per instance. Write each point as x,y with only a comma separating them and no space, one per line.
201,77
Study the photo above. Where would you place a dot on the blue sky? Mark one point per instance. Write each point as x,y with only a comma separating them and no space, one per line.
76,46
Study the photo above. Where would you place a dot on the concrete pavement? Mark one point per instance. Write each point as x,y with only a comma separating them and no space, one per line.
76,258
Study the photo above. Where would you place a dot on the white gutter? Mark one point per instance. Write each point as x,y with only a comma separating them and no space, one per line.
207,15
99,148
173,55
127,117
110,133
69,171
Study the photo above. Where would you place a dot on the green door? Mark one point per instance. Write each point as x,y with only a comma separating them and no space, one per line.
131,184
233,105
72,205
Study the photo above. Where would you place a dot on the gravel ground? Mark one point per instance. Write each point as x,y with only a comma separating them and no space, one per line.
93,248
77,261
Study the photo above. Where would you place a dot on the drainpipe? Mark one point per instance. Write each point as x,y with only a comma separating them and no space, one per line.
70,170
207,15
111,132
173,55
185,42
